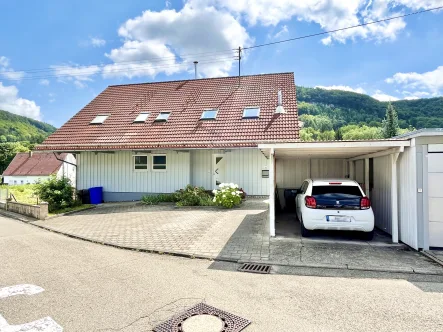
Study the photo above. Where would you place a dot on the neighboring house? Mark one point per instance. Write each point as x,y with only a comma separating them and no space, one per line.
159,137
30,167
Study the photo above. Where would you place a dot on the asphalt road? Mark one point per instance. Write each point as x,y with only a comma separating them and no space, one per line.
89,287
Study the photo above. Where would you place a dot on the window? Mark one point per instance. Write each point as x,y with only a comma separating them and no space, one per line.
209,115
304,187
163,116
22,181
99,119
251,112
142,117
265,173
140,163
348,191
159,163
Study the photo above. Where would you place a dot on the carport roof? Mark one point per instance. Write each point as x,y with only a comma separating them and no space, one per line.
335,149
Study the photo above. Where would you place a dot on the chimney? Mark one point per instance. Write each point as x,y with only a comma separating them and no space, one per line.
195,65
280,108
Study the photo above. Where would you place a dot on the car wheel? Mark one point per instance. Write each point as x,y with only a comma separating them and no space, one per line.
304,232
368,236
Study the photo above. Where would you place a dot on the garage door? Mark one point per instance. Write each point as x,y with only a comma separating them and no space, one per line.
435,197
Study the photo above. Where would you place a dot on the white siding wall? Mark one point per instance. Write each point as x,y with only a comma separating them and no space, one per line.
67,170
360,171
381,193
243,167
407,197
26,179
114,172
290,173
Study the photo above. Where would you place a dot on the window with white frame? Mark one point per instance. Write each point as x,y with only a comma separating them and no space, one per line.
140,163
159,162
99,119
142,117
251,113
209,114
162,117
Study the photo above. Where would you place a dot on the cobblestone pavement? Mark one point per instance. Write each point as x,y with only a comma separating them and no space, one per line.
240,233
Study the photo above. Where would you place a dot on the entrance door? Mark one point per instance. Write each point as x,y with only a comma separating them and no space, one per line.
435,199
218,169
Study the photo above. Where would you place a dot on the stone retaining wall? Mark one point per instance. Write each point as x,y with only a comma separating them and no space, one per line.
36,211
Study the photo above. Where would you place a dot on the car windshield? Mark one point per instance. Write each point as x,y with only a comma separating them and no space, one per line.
344,190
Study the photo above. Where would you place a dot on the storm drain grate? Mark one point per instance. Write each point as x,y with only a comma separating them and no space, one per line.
255,268
231,323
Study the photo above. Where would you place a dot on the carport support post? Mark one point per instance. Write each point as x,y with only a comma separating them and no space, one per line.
272,192
394,198
367,177
351,170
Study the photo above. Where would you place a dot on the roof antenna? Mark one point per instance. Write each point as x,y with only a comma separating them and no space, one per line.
195,67
239,64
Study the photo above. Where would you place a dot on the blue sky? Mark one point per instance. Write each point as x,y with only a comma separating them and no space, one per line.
56,56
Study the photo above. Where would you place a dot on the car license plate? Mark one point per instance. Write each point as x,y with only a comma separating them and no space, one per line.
338,218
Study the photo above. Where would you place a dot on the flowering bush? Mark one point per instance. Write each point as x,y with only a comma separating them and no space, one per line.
228,196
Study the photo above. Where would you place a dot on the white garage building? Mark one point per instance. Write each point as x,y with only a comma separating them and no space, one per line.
403,178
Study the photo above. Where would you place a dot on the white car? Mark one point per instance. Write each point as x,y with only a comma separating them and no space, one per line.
336,204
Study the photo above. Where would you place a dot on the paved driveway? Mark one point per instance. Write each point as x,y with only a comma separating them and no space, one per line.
239,233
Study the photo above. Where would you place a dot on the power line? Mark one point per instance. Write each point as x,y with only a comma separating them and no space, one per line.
128,69
150,60
342,29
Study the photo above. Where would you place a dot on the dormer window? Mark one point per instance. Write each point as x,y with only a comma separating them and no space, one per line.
209,114
163,117
99,119
251,113
142,117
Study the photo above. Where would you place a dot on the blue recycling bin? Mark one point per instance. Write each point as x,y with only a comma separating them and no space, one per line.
96,195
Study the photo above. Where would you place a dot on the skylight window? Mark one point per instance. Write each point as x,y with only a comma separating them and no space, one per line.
209,115
163,116
99,119
251,112
142,117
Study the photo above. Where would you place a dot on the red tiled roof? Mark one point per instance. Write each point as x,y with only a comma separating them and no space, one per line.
186,101
41,163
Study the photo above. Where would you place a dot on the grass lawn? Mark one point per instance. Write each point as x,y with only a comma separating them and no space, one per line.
71,209
23,193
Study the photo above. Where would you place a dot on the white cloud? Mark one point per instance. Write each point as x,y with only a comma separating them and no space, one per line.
79,75
168,4
282,33
97,42
379,95
7,72
11,102
342,87
44,81
431,81
329,14
152,40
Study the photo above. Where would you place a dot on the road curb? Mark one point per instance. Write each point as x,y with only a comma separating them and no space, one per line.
431,256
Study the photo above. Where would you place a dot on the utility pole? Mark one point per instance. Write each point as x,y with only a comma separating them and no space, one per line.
239,64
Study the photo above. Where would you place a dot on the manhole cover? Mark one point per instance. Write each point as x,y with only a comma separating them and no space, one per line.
203,323
205,318
255,268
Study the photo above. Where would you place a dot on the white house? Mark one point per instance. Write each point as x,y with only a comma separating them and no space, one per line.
159,137
30,167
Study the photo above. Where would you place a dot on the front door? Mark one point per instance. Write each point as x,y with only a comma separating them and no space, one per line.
218,169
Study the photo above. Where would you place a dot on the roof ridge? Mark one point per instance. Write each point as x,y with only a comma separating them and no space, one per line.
202,79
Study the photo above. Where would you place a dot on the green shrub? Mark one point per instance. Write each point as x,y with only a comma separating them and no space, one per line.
228,196
155,199
58,193
189,196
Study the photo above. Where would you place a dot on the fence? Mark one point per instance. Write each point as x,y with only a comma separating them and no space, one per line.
37,211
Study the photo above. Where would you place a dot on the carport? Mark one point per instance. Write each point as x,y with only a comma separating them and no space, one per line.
373,164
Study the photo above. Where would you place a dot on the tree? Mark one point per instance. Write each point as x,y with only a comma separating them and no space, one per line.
8,152
390,123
